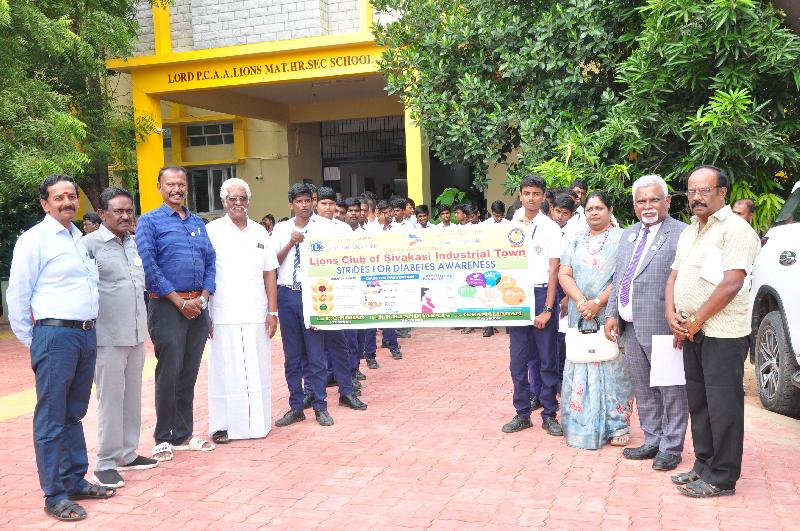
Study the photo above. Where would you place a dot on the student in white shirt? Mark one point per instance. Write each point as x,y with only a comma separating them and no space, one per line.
444,216
498,210
337,352
423,217
537,342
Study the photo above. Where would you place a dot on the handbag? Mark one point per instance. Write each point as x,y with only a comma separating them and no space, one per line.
587,343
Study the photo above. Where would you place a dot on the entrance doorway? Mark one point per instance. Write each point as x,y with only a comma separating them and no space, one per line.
364,154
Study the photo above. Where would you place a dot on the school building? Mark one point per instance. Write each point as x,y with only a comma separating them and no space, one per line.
275,92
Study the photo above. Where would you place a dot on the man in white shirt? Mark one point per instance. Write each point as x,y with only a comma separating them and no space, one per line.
54,279
537,342
244,315
301,345
337,352
444,216
423,217
498,210
355,338
579,189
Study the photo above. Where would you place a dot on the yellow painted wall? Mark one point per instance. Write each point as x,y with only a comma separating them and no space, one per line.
268,157
305,156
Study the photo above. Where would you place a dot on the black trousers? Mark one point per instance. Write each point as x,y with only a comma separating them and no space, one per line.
178,344
714,371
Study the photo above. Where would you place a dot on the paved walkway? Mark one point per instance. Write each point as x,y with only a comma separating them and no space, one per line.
428,453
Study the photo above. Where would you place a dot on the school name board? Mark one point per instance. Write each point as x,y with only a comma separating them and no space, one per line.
265,70
474,276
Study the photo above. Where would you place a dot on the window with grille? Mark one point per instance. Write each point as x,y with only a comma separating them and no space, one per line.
209,134
204,185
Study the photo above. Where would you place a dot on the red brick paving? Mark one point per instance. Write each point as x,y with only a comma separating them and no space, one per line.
428,453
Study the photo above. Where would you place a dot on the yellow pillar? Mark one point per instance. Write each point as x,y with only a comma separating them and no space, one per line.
418,168
365,16
149,147
162,37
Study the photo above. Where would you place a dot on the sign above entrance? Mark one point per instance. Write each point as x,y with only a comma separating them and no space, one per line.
263,70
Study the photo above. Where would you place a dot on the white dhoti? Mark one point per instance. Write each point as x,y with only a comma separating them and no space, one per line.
239,381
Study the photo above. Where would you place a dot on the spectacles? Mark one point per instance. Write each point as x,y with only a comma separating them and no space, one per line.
653,201
703,192
238,199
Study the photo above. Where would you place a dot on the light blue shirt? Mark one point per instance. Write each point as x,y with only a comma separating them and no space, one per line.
52,276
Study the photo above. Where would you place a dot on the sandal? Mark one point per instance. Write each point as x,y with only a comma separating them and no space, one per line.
620,440
701,489
66,511
220,437
93,492
162,452
195,444
685,477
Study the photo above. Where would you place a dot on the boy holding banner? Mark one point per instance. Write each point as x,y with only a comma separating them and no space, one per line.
537,342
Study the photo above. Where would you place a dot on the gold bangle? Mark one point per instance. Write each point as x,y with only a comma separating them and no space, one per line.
581,301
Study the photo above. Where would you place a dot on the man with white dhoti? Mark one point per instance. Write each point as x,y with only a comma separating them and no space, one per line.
244,317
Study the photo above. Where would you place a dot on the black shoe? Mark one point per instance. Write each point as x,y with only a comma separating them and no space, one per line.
488,331
396,354
108,478
356,392
640,453
323,417
535,404
664,462
356,384
372,363
140,463
307,401
518,423
467,330
290,417
403,334
360,375
552,427
352,402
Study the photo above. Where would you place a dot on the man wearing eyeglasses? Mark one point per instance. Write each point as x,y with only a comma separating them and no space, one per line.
635,313
707,310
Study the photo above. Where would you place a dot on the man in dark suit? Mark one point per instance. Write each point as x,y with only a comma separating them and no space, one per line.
636,312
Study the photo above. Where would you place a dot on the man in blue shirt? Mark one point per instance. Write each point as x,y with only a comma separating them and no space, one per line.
54,280
179,269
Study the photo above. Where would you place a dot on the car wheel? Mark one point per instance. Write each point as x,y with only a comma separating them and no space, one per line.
775,365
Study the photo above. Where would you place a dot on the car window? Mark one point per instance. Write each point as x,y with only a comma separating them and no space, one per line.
790,213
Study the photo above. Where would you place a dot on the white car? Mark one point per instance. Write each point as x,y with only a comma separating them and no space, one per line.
775,312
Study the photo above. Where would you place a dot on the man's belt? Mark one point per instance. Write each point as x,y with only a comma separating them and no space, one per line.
287,286
66,323
186,295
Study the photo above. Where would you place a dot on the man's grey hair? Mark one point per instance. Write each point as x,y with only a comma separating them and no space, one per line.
649,180
234,182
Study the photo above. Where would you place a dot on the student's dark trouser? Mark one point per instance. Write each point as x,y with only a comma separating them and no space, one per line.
63,362
533,365
302,347
178,343
714,371
337,361
355,344
527,343
370,343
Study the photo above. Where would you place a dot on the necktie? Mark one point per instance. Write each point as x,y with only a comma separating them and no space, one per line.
627,280
295,282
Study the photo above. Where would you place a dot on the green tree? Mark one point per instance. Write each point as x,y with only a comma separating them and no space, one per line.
486,79
711,82
58,106
604,90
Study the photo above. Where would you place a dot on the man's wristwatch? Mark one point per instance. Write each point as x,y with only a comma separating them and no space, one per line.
204,301
273,314
547,309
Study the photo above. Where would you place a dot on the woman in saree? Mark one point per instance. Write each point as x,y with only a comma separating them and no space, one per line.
596,398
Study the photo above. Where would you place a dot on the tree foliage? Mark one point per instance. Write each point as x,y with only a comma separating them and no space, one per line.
58,106
604,90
